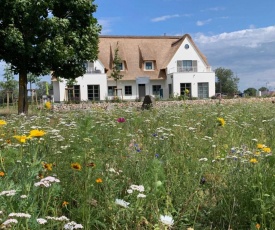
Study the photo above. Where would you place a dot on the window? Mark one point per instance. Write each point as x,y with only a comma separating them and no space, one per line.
74,93
128,90
170,90
89,67
148,65
156,90
120,66
93,93
185,89
111,90
187,66
203,91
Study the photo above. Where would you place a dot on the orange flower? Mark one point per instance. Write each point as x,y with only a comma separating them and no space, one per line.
65,203
47,166
2,173
8,141
76,166
98,180
258,226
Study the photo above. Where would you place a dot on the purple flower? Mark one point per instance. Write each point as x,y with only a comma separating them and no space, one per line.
121,119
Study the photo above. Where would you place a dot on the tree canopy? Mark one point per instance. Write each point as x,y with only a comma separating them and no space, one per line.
226,83
263,89
251,92
49,35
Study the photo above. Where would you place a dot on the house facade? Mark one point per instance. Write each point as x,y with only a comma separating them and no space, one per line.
164,66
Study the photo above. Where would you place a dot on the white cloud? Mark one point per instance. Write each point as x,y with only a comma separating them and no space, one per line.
165,17
214,9
106,25
248,53
247,38
202,23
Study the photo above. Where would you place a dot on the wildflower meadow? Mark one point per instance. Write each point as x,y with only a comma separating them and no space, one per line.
179,166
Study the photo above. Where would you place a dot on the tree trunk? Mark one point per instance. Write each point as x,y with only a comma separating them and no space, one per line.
23,93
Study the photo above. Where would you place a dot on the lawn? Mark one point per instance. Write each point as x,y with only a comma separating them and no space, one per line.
179,166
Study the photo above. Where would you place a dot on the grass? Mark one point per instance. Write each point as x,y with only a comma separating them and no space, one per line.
90,171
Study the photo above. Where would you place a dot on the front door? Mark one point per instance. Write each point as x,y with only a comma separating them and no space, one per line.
141,91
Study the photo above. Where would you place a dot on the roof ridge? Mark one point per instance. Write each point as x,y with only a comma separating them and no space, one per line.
138,36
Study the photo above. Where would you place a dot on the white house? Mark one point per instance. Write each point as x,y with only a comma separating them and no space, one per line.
164,66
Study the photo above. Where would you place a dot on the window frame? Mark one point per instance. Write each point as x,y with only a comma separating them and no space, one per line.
157,90
128,91
121,66
152,65
111,87
183,87
93,92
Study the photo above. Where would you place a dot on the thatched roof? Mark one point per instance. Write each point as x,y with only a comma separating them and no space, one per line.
134,50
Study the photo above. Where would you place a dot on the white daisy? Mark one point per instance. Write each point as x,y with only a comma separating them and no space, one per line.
122,203
167,220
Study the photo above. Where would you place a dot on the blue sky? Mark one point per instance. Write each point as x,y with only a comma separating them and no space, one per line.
238,35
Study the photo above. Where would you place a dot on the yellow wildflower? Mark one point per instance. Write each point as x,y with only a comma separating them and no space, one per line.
258,226
221,121
2,122
37,133
2,174
48,105
22,139
267,150
253,160
76,166
260,146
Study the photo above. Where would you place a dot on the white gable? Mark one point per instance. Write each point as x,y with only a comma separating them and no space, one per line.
186,52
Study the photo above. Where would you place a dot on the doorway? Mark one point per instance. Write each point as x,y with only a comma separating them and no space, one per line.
141,91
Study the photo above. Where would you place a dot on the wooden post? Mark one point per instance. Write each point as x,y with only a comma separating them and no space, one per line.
8,99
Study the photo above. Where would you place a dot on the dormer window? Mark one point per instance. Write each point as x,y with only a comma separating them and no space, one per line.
148,65
121,66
